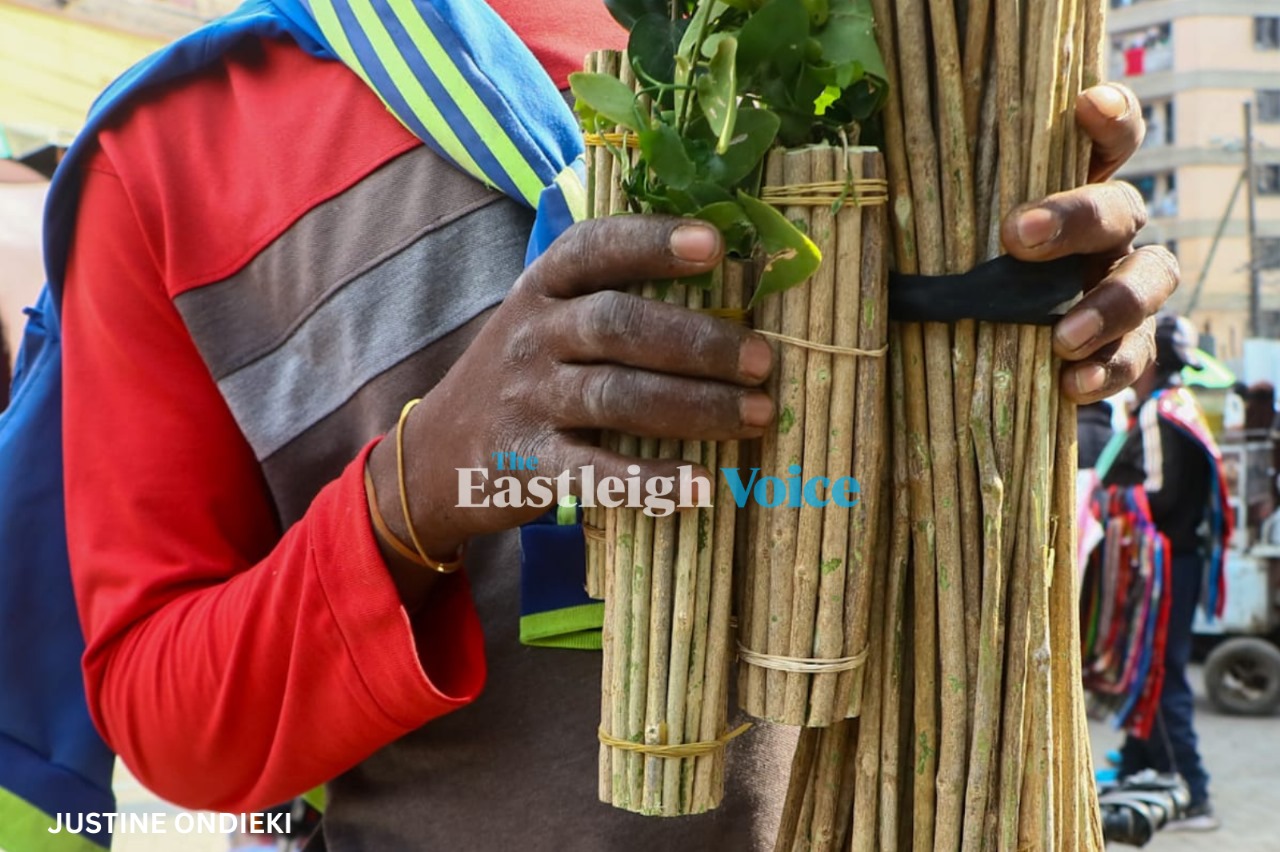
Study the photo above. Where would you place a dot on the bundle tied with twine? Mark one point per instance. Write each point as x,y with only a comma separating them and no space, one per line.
979,738
666,581
806,584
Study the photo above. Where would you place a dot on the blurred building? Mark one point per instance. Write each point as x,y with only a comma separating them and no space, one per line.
1194,63
57,55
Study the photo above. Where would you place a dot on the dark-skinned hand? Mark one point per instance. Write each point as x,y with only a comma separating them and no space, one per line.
567,354
1110,335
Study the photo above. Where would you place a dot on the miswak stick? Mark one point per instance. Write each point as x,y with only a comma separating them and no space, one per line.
811,165
846,262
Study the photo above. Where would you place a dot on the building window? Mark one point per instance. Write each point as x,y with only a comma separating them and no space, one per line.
1158,116
1269,252
1160,192
1266,33
1139,52
1269,105
1268,179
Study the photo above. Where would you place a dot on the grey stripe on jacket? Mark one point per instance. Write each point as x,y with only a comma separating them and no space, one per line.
365,302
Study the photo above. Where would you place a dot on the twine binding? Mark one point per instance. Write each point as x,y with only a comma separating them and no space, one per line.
738,315
861,192
823,347
802,665
611,140
673,752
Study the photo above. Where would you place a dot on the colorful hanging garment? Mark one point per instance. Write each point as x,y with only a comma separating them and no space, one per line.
1124,608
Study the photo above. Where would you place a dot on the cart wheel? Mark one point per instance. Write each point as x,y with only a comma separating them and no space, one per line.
1242,677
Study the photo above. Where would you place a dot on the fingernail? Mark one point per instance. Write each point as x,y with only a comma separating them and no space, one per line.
695,243
755,359
1078,329
1038,226
1090,379
757,410
1109,101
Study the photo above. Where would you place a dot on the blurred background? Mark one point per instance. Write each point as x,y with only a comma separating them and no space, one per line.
1208,74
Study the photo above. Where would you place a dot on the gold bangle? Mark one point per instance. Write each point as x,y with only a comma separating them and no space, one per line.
380,523
434,564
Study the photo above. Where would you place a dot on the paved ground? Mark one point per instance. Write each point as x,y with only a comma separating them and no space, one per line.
1243,756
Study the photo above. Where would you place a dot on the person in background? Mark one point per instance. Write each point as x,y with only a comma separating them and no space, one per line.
1094,432
1172,455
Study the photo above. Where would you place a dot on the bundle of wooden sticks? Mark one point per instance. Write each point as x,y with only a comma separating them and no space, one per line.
972,733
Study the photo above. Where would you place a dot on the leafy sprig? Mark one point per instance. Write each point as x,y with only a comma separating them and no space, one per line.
721,82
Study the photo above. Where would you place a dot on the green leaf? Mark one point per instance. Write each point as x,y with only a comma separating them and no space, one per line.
718,92
627,12
664,151
774,37
753,136
699,26
819,11
829,96
652,47
789,256
850,36
732,222
606,97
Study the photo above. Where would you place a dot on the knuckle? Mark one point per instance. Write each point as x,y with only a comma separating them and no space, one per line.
1127,300
604,394
524,345
1167,264
1130,201
613,316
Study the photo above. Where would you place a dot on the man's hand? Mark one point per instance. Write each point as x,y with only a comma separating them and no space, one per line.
1110,333
567,354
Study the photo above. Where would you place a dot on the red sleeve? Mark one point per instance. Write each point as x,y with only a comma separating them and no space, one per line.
231,667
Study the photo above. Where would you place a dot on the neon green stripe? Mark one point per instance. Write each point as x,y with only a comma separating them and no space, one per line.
576,627
332,29
423,109
504,150
575,194
317,797
416,96
25,828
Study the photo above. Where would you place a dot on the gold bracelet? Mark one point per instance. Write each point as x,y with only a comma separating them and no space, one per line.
380,523
434,564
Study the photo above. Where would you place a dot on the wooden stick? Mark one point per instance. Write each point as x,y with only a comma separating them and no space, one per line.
923,161
793,806
791,420
709,784
869,456
811,165
894,674
835,750
864,752
844,257
641,578
977,33
990,658
758,578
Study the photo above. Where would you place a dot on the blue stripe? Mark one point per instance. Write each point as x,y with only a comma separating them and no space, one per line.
553,219
51,788
502,70
381,80
455,117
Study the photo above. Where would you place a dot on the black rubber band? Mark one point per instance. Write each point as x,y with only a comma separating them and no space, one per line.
1001,290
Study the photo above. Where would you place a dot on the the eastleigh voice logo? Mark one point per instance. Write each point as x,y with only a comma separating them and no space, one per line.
657,496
